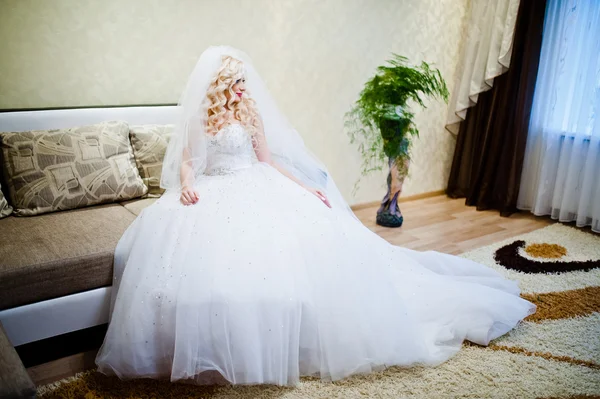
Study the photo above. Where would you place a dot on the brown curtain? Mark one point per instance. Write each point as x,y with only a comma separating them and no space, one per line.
490,146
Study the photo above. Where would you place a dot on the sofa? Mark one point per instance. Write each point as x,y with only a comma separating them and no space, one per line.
62,211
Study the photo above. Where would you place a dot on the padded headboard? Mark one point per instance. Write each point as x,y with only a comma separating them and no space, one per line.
19,121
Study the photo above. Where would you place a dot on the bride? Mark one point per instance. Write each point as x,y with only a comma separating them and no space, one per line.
252,269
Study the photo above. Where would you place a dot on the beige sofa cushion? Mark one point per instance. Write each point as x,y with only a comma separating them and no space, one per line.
5,209
52,170
149,145
57,254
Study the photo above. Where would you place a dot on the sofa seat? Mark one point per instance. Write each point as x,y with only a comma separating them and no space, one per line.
57,254
135,206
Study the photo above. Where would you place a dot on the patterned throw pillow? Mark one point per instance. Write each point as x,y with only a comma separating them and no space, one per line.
5,209
52,170
149,145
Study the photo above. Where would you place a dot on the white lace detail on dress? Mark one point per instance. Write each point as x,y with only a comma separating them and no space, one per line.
229,150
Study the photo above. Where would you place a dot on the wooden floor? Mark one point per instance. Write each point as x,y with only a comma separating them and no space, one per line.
435,223
447,225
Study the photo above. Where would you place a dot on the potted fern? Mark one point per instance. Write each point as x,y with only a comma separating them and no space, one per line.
381,123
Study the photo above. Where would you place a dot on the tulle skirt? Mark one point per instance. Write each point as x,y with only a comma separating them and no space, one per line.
260,282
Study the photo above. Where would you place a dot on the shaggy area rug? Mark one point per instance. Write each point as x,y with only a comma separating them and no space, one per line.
555,353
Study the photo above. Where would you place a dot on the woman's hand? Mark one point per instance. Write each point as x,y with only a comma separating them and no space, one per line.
189,196
320,195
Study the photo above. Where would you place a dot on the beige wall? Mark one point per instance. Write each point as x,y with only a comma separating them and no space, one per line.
314,55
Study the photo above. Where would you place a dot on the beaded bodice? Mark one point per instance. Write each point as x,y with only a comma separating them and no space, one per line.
229,150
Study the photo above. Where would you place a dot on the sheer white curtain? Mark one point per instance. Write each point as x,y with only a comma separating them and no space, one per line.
561,171
485,55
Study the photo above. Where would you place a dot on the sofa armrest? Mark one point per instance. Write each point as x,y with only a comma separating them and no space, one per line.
14,380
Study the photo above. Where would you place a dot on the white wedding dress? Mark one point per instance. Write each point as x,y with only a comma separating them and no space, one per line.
260,282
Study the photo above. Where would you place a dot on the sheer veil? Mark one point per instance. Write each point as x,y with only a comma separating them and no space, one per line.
188,143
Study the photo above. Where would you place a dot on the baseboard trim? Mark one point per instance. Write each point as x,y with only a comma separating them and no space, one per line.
402,199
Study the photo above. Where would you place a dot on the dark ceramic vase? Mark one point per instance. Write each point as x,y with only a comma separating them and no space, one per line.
393,132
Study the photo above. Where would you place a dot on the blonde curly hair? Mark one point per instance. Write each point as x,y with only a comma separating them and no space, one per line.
245,110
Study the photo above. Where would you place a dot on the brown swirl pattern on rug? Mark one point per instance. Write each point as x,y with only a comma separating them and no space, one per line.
548,251
545,355
564,304
510,257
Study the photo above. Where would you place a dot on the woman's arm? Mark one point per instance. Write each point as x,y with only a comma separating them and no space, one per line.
188,194
186,174
263,154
